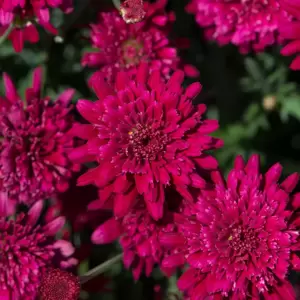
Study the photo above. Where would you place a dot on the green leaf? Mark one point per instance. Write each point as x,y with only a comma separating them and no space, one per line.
275,76
253,69
7,49
252,112
258,123
268,61
291,107
57,18
287,89
33,58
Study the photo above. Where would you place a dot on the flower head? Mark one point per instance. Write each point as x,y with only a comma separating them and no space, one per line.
57,284
28,249
144,241
132,11
145,135
249,24
123,46
244,238
291,31
34,145
23,14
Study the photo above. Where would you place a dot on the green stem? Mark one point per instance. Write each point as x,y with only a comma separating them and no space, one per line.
100,269
6,33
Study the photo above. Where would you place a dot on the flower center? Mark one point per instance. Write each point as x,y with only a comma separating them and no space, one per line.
242,239
146,142
132,52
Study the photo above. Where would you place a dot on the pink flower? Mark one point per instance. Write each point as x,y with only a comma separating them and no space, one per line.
123,46
145,135
249,24
144,241
132,11
28,249
291,31
244,238
57,284
34,145
23,14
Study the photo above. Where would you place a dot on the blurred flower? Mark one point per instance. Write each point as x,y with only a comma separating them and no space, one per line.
34,144
145,135
23,15
132,11
244,239
57,284
249,24
73,204
28,249
142,240
123,46
291,31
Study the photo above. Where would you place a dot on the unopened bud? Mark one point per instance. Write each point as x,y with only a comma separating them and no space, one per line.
58,39
269,102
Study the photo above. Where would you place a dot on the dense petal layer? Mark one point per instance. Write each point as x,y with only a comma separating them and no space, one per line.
243,238
147,136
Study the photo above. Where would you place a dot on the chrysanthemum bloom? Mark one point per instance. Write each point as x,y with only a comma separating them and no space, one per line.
132,11
28,249
24,14
123,46
57,284
145,135
34,145
245,238
143,241
291,31
249,24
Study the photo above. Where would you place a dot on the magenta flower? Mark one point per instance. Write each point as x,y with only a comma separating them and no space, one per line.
27,250
291,31
145,135
123,46
34,144
244,238
144,241
57,284
23,14
132,11
247,24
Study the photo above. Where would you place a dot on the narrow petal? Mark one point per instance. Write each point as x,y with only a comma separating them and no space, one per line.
107,232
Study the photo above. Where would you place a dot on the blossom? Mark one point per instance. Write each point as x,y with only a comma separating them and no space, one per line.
57,284
291,31
145,135
121,46
23,14
245,236
144,241
28,249
34,144
132,11
249,24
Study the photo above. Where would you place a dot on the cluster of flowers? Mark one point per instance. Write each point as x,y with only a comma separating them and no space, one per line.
171,205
